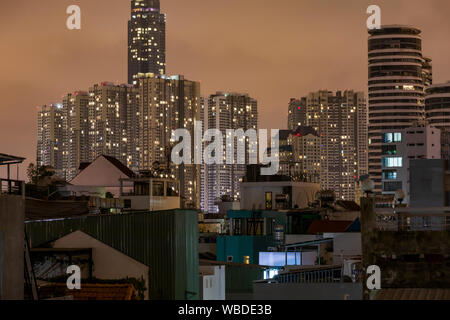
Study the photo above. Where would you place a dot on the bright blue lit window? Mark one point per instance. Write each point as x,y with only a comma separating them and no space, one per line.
392,162
392,137
278,259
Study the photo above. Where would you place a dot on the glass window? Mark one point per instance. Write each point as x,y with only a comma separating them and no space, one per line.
158,189
389,150
392,137
388,138
393,162
268,200
392,186
172,189
390,175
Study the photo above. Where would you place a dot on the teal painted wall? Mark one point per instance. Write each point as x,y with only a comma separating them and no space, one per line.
239,279
240,246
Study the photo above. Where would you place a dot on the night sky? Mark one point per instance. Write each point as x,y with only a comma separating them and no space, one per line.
273,50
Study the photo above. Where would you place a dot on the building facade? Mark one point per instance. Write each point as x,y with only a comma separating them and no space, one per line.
297,113
76,129
398,74
51,119
420,141
109,128
167,104
306,147
146,40
437,111
340,120
103,121
228,111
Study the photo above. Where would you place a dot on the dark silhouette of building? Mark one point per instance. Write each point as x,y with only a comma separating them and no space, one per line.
146,40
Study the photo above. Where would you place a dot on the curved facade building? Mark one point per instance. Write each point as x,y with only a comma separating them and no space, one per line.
437,112
398,75
437,105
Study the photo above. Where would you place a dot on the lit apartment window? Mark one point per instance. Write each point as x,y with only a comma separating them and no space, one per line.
392,137
392,162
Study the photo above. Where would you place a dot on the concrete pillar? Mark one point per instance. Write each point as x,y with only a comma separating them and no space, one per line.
368,231
12,215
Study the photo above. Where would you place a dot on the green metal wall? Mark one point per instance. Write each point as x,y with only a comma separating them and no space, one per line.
239,278
166,241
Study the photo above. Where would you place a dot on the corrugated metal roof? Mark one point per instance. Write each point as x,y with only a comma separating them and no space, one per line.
166,241
413,294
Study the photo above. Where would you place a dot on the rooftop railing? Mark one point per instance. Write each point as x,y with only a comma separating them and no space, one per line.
12,187
413,219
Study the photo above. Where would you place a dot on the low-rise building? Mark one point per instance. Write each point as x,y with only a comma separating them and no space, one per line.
100,177
410,250
107,263
12,216
150,193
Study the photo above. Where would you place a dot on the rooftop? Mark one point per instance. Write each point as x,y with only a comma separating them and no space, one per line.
6,159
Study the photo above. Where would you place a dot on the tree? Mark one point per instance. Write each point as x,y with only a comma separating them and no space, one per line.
36,174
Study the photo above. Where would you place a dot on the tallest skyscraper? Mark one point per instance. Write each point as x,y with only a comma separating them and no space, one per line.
398,76
146,40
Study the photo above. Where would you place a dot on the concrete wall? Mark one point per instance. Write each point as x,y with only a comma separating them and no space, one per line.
153,203
307,291
297,238
96,191
212,282
415,259
345,245
253,193
427,184
1,264
109,264
12,215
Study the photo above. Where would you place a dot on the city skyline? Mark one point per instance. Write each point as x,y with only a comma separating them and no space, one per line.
193,64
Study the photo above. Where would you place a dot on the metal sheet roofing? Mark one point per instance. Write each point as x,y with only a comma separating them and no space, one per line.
165,241
6,159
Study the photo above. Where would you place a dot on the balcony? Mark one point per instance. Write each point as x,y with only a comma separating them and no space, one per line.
8,185
12,187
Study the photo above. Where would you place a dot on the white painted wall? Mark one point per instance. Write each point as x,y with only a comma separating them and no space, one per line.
153,203
345,245
102,173
212,282
109,264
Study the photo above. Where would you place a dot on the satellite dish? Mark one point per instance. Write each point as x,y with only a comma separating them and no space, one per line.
368,185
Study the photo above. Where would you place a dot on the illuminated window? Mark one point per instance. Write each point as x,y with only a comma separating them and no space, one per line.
392,137
392,162
268,200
